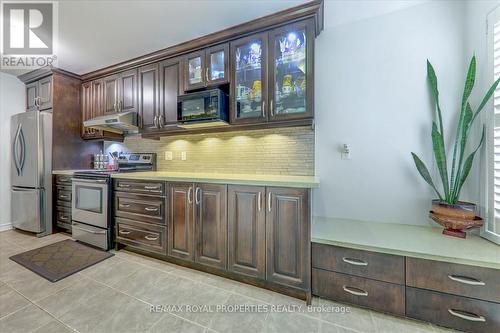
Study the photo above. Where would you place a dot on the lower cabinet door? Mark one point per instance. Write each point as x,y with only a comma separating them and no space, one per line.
247,230
211,225
288,237
181,221
378,295
462,313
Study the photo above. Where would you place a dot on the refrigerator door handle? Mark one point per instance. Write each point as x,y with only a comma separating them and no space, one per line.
14,150
23,151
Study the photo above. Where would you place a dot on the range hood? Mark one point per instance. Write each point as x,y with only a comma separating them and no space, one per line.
123,122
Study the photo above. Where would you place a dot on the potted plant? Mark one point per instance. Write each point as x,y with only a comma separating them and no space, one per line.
447,210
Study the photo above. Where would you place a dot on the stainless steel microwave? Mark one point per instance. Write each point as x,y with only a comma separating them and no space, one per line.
202,109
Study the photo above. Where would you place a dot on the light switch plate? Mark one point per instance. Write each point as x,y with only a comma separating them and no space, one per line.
168,156
183,156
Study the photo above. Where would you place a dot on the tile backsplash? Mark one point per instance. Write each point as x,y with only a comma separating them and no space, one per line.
281,151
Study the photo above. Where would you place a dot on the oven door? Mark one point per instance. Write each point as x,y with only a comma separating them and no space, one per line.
90,201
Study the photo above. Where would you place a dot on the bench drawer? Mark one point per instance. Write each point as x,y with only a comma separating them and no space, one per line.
462,313
463,280
142,235
144,187
378,266
140,207
378,295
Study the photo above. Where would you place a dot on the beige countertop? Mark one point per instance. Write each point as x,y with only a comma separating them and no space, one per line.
224,178
64,172
406,240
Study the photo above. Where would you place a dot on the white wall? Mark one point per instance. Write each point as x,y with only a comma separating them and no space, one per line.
372,93
12,95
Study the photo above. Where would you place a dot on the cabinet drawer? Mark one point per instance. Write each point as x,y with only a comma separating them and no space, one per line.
463,280
63,215
378,266
378,295
63,203
155,188
140,207
142,235
456,312
63,194
63,180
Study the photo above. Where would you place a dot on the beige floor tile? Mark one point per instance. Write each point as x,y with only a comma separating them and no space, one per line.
355,319
10,301
25,320
53,327
387,323
111,270
7,248
241,322
172,324
218,281
325,327
146,261
297,305
290,322
260,294
441,329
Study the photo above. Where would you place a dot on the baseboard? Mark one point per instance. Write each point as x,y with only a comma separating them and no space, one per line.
5,226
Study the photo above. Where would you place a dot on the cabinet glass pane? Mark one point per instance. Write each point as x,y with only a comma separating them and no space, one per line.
249,80
290,73
217,65
194,68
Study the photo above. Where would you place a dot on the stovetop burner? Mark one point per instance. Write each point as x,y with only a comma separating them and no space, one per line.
127,162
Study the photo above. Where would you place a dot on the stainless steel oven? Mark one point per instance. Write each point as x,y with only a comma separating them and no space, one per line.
90,203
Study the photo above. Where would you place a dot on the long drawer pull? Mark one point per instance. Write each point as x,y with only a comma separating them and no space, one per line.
466,280
355,291
355,262
124,185
62,217
151,209
124,205
467,315
151,238
151,187
63,196
90,231
64,180
124,232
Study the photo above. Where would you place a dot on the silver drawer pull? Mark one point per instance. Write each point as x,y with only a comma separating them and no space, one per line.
90,231
151,209
64,179
466,280
355,291
63,196
124,232
151,187
124,185
151,238
62,217
355,262
124,205
467,315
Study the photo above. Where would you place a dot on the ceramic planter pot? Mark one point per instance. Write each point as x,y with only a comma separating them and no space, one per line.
456,218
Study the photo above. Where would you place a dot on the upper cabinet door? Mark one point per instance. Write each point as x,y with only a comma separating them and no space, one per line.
217,70
45,93
291,71
31,96
249,79
170,87
128,91
149,96
97,106
195,70
111,94
87,110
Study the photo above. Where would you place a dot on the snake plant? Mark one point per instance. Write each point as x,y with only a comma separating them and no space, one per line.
453,180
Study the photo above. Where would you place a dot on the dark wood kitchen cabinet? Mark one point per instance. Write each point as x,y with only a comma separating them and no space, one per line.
211,225
110,94
247,230
288,236
149,96
206,67
120,92
171,86
181,221
39,94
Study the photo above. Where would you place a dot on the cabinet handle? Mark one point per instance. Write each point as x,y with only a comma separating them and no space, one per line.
155,121
467,315
119,106
63,218
114,106
466,280
151,187
124,205
160,121
198,190
124,232
355,291
151,209
206,74
124,185
271,107
64,179
355,262
63,196
190,192
264,109
269,201
151,238
259,199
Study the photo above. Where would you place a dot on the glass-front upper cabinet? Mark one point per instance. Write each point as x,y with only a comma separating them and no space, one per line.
291,71
207,67
249,79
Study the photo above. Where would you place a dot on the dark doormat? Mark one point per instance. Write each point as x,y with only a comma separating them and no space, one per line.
59,260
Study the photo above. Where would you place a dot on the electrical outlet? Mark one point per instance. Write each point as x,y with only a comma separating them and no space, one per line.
345,152
183,156
168,156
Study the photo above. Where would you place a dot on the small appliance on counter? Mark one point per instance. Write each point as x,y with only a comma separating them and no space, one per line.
205,108
91,199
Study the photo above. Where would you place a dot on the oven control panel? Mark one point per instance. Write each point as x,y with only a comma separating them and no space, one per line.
137,158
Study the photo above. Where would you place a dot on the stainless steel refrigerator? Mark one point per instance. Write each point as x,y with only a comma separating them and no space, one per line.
31,171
